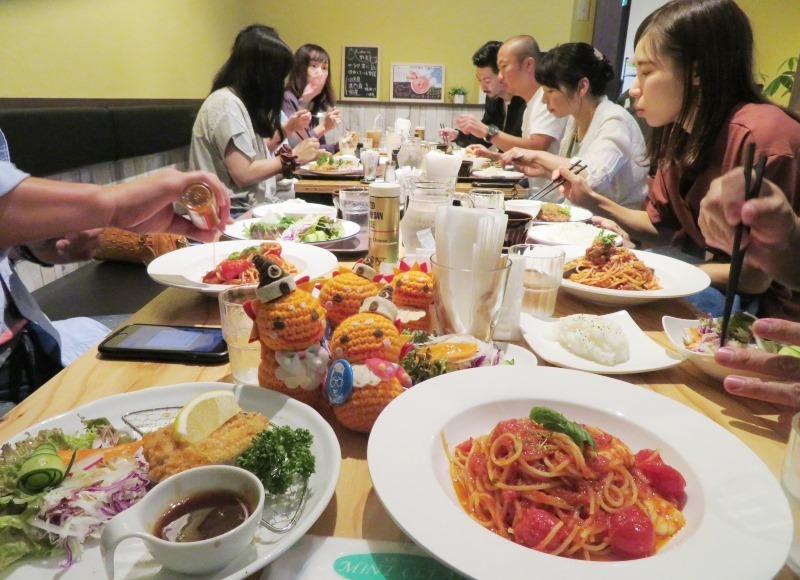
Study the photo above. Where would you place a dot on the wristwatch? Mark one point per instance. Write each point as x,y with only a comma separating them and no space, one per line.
491,131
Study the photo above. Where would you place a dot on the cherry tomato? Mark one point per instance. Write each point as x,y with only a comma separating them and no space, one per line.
232,269
533,526
666,480
631,533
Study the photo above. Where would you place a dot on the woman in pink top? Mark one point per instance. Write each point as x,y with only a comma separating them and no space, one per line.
695,87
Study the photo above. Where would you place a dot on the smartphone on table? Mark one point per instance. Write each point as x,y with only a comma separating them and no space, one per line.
154,342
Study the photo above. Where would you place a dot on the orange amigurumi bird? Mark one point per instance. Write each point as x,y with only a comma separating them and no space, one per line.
370,344
413,296
289,323
343,294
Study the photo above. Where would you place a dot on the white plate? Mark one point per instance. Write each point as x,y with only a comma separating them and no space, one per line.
676,279
311,167
552,234
674,327
132,558
186,267
295,208
646,354
529,206
576,214
738,522
522,356
495,173
236,231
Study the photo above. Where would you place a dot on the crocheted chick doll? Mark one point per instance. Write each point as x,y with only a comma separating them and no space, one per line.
413,296
343,294
289,322
367,376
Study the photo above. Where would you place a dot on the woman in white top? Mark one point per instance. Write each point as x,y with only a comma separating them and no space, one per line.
604,135
240,121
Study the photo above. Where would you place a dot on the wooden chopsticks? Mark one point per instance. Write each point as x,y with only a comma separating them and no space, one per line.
553,185
737,257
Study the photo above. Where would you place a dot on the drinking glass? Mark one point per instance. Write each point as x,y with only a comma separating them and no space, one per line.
790,480
353,202
347,143
487,198
245,356
376,135
369,161
544,266
468,301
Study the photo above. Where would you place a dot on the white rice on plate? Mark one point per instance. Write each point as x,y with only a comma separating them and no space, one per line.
593,338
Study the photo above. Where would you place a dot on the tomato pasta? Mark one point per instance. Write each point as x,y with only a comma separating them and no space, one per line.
606,266
539,488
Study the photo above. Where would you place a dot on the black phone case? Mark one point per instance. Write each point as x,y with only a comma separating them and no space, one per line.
174,356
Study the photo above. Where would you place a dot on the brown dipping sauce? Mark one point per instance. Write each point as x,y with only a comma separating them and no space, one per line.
202,516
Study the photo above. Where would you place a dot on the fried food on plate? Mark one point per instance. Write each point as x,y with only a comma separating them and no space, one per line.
168,457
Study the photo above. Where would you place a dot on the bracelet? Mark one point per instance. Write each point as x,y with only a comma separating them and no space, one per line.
26,254
288,159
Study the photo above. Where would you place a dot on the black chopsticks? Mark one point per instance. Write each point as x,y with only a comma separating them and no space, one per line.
553,185
737,256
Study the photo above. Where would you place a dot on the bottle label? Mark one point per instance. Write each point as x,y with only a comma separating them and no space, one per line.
384,226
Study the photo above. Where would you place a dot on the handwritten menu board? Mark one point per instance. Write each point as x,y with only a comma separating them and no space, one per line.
360,73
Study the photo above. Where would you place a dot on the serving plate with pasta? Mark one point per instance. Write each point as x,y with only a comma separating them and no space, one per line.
192,268
723,481
629,278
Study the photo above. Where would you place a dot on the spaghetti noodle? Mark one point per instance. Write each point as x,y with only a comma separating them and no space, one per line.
606,266
238,268
539,488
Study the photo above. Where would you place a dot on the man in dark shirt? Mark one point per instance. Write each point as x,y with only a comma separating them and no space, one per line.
501,109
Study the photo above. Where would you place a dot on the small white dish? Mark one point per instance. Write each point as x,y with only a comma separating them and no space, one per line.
674,329
676,278
529,206
646,355
568,234
576,214
295,208
477,162
497,173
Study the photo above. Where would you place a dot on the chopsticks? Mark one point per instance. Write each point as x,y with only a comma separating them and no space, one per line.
553,185
737,257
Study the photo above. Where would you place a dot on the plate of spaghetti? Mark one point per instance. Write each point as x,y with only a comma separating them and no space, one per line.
607,481
616,276
211,268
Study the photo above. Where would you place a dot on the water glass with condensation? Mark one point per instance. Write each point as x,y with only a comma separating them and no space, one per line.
790,480
544,269
245,356
353,202
487,198
369,161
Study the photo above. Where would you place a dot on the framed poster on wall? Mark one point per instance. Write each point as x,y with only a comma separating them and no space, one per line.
412,83
360,73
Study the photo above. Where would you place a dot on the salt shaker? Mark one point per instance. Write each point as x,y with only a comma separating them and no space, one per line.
389,175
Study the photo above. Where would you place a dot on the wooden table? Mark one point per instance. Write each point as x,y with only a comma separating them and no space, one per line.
325,186
356,511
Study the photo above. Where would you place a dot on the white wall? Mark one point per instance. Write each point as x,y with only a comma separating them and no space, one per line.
639,11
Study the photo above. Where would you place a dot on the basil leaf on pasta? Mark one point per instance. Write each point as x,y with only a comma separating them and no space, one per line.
555,421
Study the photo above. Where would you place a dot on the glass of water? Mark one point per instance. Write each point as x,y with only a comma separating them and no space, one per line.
369,161
544,267
245,356
353,202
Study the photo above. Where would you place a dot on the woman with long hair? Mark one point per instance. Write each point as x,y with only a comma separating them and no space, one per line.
309,88
605,136
243,114
695,86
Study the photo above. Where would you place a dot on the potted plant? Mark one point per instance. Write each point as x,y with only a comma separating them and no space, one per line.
785,78
457,95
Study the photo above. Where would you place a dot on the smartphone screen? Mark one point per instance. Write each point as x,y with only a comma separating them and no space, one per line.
168,343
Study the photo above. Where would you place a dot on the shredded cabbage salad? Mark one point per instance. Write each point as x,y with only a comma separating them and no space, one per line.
93,493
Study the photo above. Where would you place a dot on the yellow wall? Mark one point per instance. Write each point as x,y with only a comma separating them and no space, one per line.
171,48
775,26
114,48
424,31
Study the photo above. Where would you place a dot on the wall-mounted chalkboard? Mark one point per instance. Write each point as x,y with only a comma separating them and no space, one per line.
360,73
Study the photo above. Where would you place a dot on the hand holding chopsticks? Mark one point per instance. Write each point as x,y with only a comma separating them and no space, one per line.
737,256
576,167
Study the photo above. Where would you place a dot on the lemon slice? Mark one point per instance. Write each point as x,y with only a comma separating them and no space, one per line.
203,414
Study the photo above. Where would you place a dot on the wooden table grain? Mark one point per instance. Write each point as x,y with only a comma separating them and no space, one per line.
355,511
